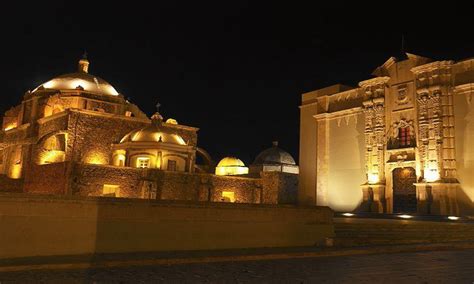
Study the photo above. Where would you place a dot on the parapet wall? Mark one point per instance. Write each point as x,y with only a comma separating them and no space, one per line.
46,225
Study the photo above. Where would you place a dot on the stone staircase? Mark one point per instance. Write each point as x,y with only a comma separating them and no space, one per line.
365,231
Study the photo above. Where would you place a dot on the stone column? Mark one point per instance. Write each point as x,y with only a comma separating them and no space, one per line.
375,141
437,192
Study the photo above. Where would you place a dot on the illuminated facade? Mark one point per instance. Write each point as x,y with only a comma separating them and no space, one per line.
76,135
400,142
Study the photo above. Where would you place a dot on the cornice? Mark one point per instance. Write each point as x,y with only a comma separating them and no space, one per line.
432,66
336,114
374,81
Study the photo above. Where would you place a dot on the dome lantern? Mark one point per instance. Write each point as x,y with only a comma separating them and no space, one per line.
83,65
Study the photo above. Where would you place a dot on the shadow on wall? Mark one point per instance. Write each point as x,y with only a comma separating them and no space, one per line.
465,203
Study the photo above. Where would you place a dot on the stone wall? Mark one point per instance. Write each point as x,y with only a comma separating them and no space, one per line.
246,190
175,185
91,135
47,178
279,188
89,180
10,185
46,226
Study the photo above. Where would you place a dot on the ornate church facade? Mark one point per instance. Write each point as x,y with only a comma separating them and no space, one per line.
76,135
399,142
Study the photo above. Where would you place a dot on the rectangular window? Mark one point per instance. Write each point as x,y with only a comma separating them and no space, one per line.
404,136
110,190
171,165
143,163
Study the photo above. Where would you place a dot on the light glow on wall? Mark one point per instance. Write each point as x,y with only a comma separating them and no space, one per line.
96,159
15,171
453,218
431,175
11,126
373,178
228,196
52,156
110,190
348,214
121,160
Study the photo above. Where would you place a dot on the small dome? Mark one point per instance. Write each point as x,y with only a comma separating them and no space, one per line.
152,133
274,155
231,162
231,166
172,121
80,80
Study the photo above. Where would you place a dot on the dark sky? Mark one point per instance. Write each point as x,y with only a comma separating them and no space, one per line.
235,69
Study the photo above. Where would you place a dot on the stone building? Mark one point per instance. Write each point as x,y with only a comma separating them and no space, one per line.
76,135
399,142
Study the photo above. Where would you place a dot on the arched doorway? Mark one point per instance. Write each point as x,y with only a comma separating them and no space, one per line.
404,190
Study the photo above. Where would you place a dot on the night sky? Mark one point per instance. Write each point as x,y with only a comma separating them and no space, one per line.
235,69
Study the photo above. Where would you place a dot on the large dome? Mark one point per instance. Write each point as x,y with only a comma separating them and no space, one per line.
152,133
81,80
274,155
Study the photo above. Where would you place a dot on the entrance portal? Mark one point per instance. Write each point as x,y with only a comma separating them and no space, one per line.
404,190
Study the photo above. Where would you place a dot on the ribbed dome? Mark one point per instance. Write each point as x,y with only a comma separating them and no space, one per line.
80,81
274,155
231,162
152,133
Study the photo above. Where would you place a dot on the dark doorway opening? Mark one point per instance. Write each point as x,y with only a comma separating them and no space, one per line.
404,190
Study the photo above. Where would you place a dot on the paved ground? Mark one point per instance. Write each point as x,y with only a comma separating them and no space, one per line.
419,267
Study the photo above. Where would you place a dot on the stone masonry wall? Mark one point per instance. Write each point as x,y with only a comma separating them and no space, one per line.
279,188
91,136
246,190
89,180
10,185
47,179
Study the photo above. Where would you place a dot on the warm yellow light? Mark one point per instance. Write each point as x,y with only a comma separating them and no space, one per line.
171,121
110,190
143,162
348,214
179,139
11,126
71,83
373,178
96,159
228,196
15,172
231,166
52,156
453,218
431,175
405,216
